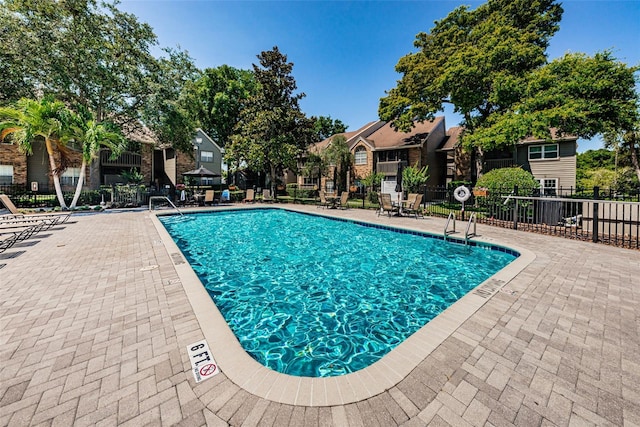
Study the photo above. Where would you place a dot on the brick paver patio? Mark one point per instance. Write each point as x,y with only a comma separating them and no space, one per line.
94,324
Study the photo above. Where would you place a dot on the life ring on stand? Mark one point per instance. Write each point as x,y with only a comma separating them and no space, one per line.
461,194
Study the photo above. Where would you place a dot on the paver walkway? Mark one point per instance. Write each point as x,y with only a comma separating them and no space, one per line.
94,325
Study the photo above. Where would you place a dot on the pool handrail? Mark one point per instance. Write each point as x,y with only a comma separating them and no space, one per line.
163,198
467,235
446,226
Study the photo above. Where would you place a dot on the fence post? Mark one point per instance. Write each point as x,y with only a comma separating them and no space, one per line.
596,194
515,208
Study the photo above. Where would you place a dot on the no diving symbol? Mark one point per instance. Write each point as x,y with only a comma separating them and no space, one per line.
203,365
208,369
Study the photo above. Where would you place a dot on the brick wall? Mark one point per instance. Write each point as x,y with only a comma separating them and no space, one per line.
146,162
415,157
184,162
360,171
9,155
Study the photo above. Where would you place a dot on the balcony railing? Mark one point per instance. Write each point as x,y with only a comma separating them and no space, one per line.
125,159
387,168
498,164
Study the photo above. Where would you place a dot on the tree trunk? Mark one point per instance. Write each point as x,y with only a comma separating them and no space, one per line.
272,179
634,154
479,161
76,196
54,173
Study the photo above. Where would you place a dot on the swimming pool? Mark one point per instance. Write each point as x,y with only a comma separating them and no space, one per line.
318,297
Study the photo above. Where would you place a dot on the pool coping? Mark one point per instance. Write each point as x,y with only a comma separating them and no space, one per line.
382,375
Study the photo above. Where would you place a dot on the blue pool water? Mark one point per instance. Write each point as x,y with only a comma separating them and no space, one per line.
317,297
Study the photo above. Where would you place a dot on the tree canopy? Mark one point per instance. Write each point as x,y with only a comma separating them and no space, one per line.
325,127
490,63
88,52
473,59
217,97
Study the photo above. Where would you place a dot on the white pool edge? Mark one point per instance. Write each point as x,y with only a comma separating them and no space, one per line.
384,374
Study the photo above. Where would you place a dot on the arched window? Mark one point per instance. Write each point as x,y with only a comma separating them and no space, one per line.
361,156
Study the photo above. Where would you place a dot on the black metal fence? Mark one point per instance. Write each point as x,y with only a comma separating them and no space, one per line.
113,196
597,215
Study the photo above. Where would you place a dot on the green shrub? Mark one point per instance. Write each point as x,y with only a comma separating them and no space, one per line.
505,179
294,192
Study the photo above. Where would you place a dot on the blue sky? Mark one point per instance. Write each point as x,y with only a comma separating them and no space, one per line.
345,52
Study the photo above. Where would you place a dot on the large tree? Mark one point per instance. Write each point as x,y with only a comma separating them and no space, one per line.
167,109
576,95
325,127
628,143
475,60
88,52
217,97
273,132
490,63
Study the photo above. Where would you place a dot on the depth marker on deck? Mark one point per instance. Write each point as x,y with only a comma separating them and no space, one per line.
202,364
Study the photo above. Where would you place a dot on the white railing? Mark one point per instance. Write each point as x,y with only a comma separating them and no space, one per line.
163,198
467,235
451,216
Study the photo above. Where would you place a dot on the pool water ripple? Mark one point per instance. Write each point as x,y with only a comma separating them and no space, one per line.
311,296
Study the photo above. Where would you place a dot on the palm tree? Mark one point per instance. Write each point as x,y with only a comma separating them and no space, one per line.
93,136
46,118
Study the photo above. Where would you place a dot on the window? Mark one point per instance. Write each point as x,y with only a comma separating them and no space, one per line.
206,180
6,174
540,152
329,186
310,180
361,156
206,156
70,176
548,186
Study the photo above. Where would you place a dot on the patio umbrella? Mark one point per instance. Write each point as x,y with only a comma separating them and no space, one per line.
399,180
201,172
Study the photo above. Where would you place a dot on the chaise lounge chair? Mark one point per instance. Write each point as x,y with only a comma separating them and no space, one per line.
6,201
266,196
572,222
209,197
251,196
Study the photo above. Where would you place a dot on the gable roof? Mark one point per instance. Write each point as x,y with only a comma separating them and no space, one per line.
351,137
452,139
138,132
556,136
380,135
199,130
386,137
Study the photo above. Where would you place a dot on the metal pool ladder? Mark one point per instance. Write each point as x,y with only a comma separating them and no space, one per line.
446,226
163,198
468,235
